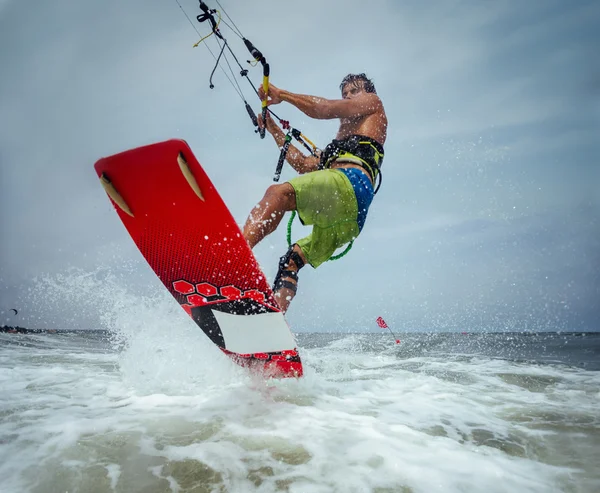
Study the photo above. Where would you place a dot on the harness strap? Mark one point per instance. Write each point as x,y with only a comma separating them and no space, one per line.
356,149
346,157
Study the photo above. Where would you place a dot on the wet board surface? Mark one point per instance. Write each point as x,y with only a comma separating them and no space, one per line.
189,238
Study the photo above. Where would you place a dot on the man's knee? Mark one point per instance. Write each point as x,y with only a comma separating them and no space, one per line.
282,195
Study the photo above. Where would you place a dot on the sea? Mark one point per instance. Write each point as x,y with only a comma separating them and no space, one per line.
150,408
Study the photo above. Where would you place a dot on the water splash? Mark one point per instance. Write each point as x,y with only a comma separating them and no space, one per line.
160,349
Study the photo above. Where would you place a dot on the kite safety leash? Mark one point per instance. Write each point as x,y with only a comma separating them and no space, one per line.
289,240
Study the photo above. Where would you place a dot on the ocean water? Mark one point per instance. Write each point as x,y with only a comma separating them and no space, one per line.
151,405
151,410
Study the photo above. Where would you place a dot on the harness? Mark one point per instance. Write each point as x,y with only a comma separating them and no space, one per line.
356,149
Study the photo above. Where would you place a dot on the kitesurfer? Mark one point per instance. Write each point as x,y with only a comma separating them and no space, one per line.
335,189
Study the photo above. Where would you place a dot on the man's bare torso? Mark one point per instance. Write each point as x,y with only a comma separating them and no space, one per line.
373,126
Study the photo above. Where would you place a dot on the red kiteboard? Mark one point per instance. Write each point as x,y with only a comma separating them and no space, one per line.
185,231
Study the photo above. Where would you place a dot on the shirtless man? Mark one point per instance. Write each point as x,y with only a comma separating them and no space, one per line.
335,190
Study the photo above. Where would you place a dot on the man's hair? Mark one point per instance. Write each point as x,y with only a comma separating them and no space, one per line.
354,78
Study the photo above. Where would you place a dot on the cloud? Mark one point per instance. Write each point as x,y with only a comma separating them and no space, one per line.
490,172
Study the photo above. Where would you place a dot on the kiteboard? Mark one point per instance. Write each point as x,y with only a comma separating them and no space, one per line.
188,236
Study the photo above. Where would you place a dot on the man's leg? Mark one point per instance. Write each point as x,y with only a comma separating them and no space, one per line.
286,281
267,214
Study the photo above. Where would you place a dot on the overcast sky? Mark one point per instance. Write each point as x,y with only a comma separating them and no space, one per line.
489,211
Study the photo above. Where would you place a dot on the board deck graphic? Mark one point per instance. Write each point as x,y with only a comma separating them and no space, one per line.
186,233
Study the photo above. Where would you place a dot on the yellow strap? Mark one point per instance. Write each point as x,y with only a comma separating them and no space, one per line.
211,33
309,141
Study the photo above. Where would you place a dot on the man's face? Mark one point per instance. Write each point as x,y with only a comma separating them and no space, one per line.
353,89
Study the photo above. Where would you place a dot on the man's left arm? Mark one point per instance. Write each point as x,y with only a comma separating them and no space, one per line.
328,109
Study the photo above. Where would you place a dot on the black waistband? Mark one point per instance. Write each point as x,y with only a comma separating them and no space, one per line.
358,149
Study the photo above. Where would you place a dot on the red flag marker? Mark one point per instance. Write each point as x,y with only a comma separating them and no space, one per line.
381,322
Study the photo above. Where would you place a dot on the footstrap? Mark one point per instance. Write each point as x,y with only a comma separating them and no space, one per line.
284,283
285,272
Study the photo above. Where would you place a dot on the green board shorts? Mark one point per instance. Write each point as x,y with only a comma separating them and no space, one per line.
326,200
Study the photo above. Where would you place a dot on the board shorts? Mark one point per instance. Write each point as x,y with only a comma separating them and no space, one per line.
335,202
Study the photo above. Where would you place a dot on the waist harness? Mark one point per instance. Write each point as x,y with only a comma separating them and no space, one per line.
356,149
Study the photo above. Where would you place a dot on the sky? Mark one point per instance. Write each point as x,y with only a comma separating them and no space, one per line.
489,213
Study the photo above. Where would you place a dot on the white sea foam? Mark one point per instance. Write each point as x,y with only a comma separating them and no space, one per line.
158,408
